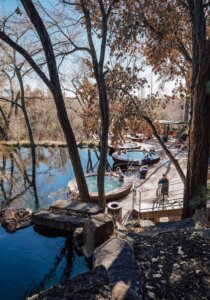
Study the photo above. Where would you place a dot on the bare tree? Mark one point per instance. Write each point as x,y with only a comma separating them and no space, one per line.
53,83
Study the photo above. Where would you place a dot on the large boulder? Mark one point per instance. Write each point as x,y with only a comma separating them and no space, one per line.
122,291
97,230
116,255
15,218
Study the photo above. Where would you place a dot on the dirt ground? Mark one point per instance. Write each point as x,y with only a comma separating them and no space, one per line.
175,265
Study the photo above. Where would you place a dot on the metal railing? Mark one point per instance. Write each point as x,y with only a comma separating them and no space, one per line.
159,201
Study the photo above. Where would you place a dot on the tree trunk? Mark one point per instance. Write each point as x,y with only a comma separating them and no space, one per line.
3,134
28,125
72,146
200,113
55,88
102,91
187,109
104,107
197,167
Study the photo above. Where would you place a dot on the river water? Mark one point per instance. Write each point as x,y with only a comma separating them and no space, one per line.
31,261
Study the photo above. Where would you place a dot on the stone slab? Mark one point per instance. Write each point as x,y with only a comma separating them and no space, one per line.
75,206
97,230
62,222
116,255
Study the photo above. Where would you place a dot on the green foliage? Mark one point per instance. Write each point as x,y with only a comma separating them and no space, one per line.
201,198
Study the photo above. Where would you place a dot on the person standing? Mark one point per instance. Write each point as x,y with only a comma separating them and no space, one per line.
164,184
120,174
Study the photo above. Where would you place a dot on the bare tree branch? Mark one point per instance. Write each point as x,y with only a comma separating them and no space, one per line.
28,57
10,101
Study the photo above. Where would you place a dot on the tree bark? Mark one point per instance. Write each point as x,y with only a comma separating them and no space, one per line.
187,109
104,141
3,134
200,113
197,166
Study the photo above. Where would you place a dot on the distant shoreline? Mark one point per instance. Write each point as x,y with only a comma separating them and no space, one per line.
53,144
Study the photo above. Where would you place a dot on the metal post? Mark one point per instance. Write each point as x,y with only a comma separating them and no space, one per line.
133,198
139,201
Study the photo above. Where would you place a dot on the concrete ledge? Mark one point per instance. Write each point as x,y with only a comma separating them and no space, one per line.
63,222
74,206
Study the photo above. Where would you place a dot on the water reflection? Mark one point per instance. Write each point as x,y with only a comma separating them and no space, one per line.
64,256
31,260
25,185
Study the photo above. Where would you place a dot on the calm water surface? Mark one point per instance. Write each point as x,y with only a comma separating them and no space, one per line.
111,183
31,261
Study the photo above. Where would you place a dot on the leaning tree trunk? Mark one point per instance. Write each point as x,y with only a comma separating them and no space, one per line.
197,166
200,112
168,153
72,146
162,144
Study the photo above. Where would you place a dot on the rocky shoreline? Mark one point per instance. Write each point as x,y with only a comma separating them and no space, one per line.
167,261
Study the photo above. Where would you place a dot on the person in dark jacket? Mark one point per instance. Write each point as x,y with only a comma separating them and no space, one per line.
164,184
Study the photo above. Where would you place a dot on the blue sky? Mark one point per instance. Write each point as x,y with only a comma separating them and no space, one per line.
8,6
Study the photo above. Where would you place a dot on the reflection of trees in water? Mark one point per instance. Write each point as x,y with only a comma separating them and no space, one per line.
14,178
18,172
65,252
52,157
93,167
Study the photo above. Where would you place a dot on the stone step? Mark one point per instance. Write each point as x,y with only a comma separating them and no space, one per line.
57,221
